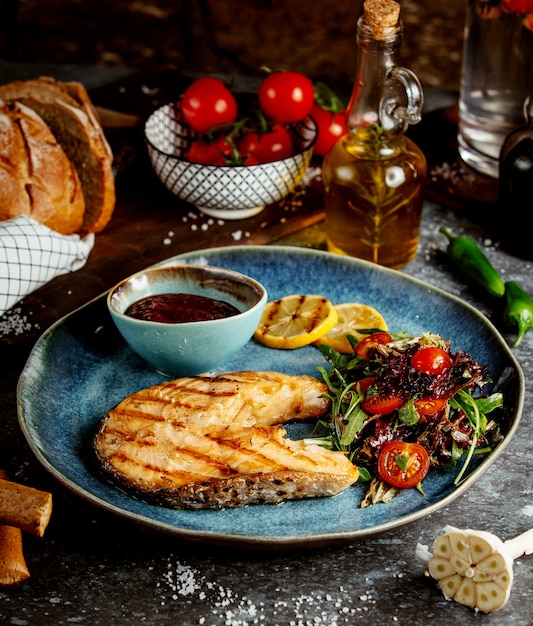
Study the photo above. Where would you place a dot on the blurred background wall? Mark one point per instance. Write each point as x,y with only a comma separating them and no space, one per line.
316,37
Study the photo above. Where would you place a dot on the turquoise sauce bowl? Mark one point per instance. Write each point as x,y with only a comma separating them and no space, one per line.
188,348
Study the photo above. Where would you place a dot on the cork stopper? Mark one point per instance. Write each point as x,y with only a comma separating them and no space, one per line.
381,16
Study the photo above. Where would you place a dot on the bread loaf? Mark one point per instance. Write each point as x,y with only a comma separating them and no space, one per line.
70,115
36,177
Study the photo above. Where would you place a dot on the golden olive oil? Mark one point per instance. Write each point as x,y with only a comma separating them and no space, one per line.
374,202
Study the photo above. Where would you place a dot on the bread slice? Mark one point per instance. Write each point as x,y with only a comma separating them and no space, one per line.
68,111
36,177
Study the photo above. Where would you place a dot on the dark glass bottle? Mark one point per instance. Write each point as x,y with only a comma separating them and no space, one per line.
516,187
374,176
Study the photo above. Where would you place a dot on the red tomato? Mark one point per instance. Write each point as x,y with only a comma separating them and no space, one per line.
250,159
204,153
428,406
381,405
403,464
361,348
365,383
286,97
431,360
211,153
273,145
224,146
517,6
331,126
207,102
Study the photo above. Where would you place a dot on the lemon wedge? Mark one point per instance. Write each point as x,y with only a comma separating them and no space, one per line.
295,321
351,317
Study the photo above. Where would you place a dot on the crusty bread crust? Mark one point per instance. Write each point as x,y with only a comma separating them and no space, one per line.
72,118
36,177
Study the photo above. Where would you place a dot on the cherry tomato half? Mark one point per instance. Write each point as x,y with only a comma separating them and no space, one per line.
381,405
403,464
331,126
365,383
362,348
431,360
428,406
207,102
286,97
273,145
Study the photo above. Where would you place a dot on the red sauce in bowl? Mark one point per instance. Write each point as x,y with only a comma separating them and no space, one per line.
178,308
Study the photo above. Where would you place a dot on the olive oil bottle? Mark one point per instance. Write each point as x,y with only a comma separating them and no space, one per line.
374,177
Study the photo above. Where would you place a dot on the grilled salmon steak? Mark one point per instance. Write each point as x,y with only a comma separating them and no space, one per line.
209,442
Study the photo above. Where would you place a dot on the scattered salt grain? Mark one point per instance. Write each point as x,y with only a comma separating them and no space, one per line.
231,609
13,322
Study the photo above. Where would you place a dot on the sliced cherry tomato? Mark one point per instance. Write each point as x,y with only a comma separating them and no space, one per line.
403,464
286,97
365,383
273,145
375,339
331,126
376,404
207,102
428,406
431,360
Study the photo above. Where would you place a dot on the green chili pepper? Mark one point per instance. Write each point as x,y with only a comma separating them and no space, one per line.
518,312
465,253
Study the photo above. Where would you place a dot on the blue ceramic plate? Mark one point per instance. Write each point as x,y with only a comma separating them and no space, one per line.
81,367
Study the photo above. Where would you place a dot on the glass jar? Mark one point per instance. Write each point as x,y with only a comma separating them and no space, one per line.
496,75
374,176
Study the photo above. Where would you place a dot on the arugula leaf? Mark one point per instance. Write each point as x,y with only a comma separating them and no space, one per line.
408,414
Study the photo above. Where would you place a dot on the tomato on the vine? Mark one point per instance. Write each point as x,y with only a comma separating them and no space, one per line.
214,152
249,159
331,127
207,102
272,145
362,348
286,97
376,404
428,406
204,153
431,360
403,464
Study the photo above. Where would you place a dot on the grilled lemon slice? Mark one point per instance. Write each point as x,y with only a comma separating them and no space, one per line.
351,317
295,321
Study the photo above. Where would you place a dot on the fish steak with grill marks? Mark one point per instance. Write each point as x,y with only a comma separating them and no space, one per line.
210,442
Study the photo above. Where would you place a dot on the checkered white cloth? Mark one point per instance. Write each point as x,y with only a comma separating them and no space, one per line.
31,255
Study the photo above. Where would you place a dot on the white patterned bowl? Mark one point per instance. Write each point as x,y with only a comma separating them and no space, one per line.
226,192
